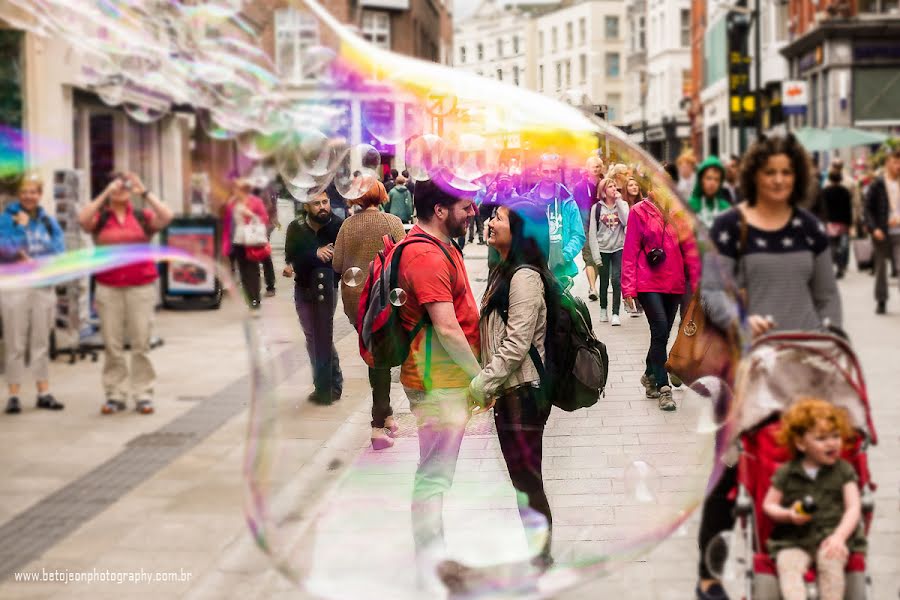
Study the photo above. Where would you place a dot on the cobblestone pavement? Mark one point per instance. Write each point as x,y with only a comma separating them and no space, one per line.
186,512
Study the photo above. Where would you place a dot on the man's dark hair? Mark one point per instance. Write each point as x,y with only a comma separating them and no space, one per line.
394,173
835,176
672,171
405,173
428,196
759,154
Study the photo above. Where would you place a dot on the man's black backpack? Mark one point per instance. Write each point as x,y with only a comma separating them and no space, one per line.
576,365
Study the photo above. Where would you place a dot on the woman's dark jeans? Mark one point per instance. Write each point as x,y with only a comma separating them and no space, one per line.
249,271
660,310
520,416
611,272
717,516
380,380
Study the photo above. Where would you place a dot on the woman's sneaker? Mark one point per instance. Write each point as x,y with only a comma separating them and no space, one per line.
649,383
614,321
665,400
12,406
604,316
380,439
112,407
391,426
144,407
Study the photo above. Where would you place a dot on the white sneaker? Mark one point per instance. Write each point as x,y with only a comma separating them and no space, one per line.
603,315
615,322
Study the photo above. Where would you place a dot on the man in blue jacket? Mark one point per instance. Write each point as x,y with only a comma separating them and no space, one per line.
566,229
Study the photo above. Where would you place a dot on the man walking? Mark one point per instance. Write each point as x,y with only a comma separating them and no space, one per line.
308,250
585,194
566,229
883,216
443,357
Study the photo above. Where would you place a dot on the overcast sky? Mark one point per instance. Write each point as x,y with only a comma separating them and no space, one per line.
464,8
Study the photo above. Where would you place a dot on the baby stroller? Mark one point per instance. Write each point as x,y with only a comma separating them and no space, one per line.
779,369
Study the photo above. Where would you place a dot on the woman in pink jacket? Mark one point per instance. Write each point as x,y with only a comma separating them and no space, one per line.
659,244
242,208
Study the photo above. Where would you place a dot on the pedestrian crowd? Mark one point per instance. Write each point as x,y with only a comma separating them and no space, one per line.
772,265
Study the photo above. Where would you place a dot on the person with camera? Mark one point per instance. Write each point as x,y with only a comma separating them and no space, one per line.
659,249
126,296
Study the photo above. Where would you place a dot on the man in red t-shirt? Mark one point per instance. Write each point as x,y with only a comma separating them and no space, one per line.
443,357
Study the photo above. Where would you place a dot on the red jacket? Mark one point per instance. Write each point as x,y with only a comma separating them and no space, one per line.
645,232
254,204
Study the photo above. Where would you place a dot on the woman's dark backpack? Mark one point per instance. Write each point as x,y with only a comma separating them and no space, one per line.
576,365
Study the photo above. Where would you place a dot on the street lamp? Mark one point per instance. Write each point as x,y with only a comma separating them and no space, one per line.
754,15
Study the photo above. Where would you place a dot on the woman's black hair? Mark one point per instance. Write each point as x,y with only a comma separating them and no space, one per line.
529,247
765,148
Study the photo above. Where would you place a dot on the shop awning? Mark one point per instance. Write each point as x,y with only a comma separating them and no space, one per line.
834,138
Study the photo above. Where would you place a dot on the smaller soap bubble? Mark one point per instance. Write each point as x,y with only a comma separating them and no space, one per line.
642,482
423,155
369,156
144,114
397,297
353,277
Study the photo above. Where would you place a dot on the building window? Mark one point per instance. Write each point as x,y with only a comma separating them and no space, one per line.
480,52
462,55
515,75
570,36
582,30
642,35
582,68
376,28
553,40
558,75
295,32
515,45
685,28
568,73
782,18
613,102
612,28
499,48
612,64
540,78
499,74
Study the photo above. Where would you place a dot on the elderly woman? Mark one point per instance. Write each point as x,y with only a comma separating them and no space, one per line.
126,296
28,232
358,241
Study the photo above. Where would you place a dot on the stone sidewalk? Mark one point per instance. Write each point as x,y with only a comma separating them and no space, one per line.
186,514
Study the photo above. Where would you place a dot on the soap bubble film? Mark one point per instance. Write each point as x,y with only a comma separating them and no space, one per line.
339,532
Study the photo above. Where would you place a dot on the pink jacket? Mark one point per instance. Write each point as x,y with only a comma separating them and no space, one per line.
254,204
645,232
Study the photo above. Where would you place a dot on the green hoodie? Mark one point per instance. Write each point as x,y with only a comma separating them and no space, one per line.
707,209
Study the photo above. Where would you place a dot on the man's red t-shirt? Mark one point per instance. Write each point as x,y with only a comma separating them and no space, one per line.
128,231
427,276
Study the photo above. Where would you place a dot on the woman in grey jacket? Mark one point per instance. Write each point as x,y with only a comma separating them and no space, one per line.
514,315
606,236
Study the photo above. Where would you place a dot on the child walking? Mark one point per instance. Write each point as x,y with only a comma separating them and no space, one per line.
814,501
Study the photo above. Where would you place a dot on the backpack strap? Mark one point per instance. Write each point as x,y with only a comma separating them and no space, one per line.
533,353
106,214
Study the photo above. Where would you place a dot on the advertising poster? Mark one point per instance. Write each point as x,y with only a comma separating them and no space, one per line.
189,278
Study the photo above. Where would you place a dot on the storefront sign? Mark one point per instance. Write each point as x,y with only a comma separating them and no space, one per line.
741,101
794,97
190,278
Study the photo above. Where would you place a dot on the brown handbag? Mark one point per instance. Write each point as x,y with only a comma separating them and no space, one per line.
702,349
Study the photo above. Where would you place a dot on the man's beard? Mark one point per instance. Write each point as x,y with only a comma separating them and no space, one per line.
321,217
457,228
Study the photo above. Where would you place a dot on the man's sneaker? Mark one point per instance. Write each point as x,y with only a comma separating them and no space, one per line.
665,399
649,384
592,295
12,406
48,402
604,317
322,399
881,308
614,321
714,592
112,407
270,293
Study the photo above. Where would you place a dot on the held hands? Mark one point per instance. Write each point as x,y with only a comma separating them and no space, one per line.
22,219
477,402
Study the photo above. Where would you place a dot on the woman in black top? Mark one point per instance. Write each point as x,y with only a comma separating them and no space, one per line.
835,207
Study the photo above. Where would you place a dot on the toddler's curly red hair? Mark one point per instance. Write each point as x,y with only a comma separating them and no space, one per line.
805,414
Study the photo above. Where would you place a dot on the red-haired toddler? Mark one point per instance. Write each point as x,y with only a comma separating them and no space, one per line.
814,501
